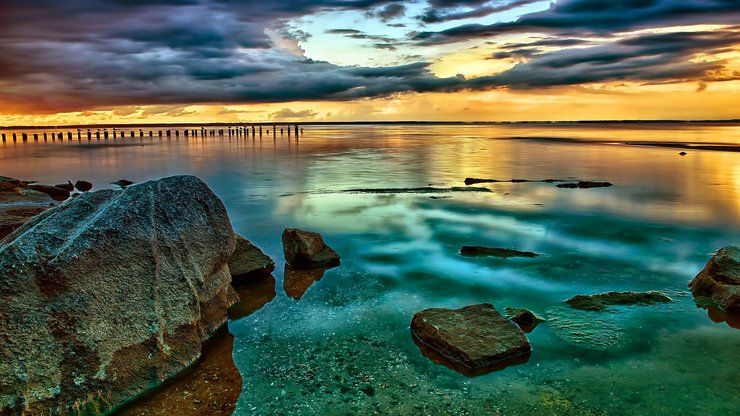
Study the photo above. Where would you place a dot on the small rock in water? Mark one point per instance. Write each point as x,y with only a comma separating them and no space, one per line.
66,186
584,185
307,249
600,301
83,186
526,319
473,340
720,279
56,193
248,261
503,253
123,183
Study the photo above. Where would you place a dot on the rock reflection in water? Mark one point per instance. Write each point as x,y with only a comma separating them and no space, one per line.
438,358
297,281
210,387
253,294
719,316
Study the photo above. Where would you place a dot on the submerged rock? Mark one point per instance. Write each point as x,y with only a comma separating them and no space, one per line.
307,249
720,279
123,183
475,337
473,181
110,294
584,185
248,261
14,216
66,186
503,253
56,193
600,301
83,186
19,206
596,331
526,319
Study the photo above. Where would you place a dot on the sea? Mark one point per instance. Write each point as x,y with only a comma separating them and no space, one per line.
392,200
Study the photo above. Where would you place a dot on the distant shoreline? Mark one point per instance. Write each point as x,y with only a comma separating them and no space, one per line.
385,123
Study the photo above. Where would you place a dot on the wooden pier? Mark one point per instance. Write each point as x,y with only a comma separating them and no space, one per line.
252,131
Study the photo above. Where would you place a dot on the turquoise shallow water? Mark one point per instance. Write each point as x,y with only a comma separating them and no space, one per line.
340,345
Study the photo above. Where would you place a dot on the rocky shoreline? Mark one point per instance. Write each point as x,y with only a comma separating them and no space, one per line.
110,294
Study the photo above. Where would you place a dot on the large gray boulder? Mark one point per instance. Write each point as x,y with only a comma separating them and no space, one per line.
110,294
473,339
720,279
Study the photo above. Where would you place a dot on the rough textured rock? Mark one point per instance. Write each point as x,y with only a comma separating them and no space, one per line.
307,249
248,261
600,301
720,279
503,253
110,294
475,336
526,319
83,186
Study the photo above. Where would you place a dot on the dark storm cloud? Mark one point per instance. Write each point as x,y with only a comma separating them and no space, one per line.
444,11
598,17
389,12
516,53
548,42
652,59
87,54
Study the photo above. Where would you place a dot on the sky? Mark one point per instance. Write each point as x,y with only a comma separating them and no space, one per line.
145,61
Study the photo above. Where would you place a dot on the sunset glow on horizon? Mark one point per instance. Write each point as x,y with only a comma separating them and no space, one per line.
167,61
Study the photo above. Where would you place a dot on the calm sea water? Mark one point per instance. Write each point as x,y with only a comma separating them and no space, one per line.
339,344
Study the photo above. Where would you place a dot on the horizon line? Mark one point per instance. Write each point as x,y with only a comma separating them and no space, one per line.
383,122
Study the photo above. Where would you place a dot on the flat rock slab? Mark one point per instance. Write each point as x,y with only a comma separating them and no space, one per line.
474,337
585,185
503,253
720,280
600,301
473,181
248,261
